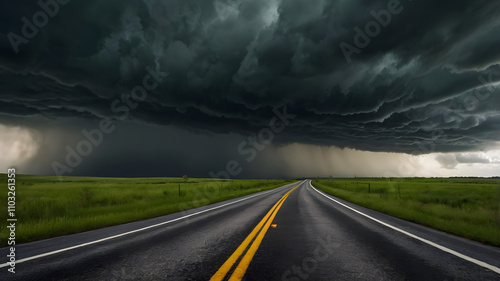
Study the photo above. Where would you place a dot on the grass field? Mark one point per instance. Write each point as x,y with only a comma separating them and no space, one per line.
47,207
465,207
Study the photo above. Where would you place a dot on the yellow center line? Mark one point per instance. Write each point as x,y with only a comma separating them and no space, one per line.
224,269
247,258
244,263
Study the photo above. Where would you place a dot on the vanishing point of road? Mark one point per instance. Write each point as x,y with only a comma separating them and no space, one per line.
294,232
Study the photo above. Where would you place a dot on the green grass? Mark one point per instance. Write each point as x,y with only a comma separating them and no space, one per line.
47,207
465,207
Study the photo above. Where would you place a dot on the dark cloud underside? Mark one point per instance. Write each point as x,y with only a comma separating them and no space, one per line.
429,76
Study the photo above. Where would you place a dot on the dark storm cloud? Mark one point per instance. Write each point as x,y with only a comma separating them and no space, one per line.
427,78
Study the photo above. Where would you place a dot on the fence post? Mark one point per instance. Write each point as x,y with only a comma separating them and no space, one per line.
179,190
399,191
369,188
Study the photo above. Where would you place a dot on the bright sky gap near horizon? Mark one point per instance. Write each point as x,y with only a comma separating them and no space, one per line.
375,88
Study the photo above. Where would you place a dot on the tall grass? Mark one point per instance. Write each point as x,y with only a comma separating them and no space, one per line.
47,207
465,207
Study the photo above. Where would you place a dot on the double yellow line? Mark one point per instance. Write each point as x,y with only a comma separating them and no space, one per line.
240,270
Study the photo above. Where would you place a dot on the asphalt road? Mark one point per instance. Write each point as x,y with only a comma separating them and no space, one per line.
299,235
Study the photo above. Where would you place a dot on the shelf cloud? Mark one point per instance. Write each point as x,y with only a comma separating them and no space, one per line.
417,77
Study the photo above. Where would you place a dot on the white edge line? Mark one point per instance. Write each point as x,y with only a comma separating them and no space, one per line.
442,248
134,231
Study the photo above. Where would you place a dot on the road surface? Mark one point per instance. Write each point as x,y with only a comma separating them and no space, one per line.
294,232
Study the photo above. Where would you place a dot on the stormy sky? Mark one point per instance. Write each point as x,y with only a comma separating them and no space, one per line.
250,88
